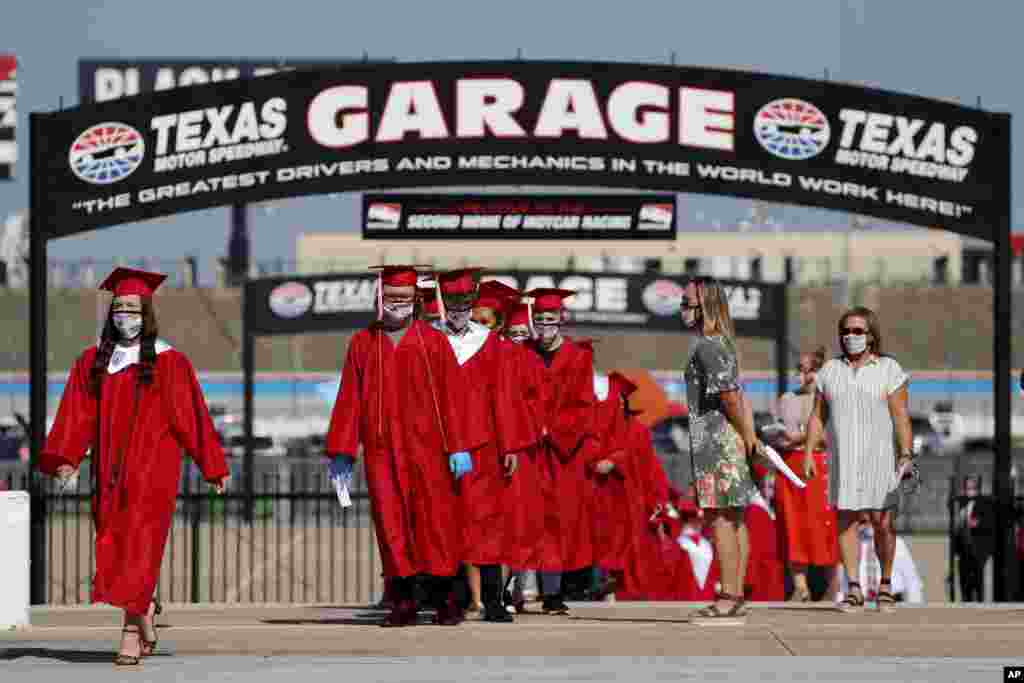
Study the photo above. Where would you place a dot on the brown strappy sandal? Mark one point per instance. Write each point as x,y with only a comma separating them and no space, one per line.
149,646
885,601
129,660
852,602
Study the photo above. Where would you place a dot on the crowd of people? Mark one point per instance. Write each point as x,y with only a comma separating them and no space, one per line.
492,448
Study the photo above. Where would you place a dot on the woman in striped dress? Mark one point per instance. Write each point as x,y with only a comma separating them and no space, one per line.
861,399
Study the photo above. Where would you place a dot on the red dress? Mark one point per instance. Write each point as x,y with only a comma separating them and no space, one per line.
568,397
766,574
406,404
498,419
807,523
137,435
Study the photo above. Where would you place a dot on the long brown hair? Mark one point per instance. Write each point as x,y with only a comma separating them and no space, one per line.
714,309
874,327
147,347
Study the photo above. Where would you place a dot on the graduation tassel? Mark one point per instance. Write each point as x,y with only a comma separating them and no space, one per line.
440,299
380,295
529,317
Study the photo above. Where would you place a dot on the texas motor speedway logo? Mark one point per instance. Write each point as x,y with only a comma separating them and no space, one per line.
106,153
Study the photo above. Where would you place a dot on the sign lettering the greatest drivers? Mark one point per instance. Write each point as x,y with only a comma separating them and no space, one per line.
651,127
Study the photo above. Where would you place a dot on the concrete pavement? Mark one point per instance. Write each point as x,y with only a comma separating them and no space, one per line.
933,642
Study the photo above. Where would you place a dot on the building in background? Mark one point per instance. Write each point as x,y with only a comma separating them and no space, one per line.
802,258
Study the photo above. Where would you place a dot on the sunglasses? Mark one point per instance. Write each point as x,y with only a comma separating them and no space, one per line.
853,330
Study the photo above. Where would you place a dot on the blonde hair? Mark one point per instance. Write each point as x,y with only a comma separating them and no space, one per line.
714,308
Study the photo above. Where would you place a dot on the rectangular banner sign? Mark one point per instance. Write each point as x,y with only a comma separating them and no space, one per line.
102,80
659,128
8,116
625,302
577,216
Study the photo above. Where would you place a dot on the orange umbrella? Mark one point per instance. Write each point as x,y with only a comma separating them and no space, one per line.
649,397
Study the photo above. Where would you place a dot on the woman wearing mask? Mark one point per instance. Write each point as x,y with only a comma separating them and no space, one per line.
722,439
861,398
807,523
135,404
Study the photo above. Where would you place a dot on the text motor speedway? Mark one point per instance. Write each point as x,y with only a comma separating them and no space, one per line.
513,123
633,302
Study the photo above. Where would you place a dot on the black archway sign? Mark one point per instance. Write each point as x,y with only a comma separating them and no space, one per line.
655,127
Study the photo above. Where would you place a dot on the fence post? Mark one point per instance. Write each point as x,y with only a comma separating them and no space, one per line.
193,500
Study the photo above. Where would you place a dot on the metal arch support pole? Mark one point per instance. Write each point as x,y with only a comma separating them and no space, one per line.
37,361
1004,559
248,369
782,338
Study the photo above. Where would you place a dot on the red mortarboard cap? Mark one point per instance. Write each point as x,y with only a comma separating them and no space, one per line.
129,281
459,281
621,384
549,298
495,294
398,276
516,312
428,295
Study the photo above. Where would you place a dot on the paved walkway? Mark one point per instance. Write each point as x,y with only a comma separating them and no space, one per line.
264,643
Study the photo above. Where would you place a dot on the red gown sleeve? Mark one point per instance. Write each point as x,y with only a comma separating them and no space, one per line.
343,432
572,423
190,419
512,418
74,428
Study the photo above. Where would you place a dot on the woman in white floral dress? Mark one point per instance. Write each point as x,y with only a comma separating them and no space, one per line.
721,438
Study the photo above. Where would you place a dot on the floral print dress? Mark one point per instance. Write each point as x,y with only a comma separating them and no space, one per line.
721,474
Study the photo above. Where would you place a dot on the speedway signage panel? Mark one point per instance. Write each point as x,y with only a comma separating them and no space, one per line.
577,216
611,301
653,127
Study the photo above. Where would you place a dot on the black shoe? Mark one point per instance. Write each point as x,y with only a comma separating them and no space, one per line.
497,614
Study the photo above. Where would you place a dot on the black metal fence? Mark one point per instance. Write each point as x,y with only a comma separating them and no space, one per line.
291,542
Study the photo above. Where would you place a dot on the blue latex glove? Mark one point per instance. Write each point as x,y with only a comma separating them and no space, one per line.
460,464
341,467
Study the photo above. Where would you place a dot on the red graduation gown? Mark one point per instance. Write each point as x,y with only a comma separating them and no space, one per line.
610,502
568,392
386,404
134,502
766,575
526,496
498,420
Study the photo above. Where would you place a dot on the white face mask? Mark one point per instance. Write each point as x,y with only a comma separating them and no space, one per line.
855,343
458,320
128,325
547,332
397,312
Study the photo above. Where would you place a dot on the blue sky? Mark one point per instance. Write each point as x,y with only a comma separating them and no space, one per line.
948,50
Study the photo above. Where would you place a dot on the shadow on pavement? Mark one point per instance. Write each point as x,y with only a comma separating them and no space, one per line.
70,656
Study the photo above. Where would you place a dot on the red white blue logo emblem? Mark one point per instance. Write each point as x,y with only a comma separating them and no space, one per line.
106,153
791,129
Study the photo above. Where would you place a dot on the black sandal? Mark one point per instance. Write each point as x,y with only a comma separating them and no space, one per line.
712,612
852,602
130,660
885,601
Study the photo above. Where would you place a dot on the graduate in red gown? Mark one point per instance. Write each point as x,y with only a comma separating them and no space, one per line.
766,572
568,391
496,415
402,399
531,489
134,403
610,468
